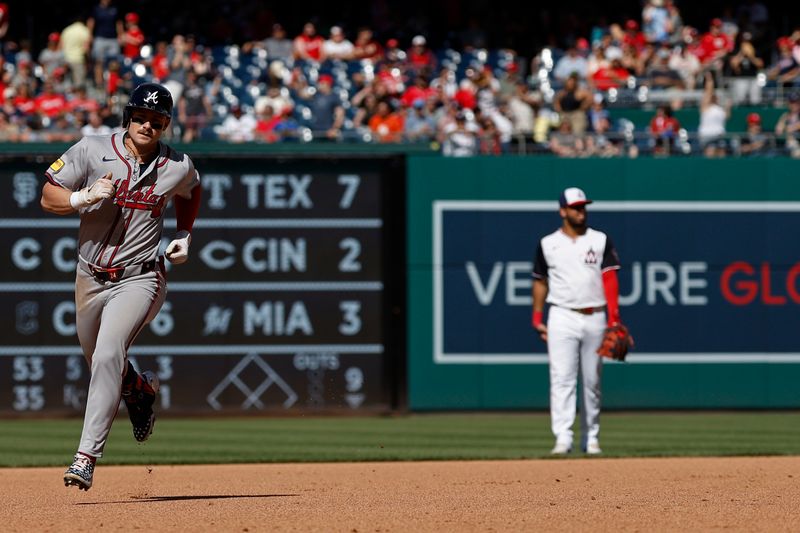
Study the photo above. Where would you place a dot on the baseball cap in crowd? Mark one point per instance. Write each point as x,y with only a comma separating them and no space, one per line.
326,78
54,37
631,24
754,118
418,40
133,18
573,197
716,22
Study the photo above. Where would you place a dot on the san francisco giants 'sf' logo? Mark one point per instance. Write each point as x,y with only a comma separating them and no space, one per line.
151,98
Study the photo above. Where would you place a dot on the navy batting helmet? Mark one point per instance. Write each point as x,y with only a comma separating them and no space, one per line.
150,96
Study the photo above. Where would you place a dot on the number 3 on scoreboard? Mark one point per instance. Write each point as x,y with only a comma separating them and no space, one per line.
351,321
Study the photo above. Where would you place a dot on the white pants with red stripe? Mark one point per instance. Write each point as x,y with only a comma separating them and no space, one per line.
572,342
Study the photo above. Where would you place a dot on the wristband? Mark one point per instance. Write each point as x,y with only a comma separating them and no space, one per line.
76,200
537,318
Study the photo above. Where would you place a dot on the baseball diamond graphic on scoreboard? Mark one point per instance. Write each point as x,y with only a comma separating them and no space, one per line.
266,377
284,303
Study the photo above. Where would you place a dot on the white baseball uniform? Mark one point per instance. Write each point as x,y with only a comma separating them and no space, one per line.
573,269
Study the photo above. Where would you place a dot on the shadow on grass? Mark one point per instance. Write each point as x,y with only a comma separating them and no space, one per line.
153,499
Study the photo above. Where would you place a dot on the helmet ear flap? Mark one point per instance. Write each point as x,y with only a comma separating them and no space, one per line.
126,117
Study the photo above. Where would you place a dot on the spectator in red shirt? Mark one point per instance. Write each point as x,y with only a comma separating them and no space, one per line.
265,126
633,36
308,45
132,38
389,79
714,45
50,103
611,76
465,95
419,91
663,130
113,77
366,47
23,101
81,103
420,58
159,65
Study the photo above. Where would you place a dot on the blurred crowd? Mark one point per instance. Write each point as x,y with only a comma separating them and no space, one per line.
346,85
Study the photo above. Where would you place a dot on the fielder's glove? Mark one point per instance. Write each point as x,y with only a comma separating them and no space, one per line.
177,251
617,342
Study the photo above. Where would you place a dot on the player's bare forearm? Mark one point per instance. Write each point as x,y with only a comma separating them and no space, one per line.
56,200
539,293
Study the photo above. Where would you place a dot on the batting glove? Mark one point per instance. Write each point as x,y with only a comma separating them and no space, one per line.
99,190
178,250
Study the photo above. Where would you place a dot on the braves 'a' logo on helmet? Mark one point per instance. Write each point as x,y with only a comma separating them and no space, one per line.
152,97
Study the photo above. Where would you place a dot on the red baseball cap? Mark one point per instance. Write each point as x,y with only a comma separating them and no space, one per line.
326,78
55,36
132,17
632,24
716,22
754,118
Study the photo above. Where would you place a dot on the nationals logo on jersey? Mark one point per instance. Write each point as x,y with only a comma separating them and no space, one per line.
142,198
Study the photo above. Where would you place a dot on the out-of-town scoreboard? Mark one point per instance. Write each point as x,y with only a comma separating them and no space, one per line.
287,301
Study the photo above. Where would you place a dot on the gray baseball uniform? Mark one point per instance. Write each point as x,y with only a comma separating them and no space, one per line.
120,283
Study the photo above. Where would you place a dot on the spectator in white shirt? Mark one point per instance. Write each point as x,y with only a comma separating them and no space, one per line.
572,62
238,126
338,46
95,126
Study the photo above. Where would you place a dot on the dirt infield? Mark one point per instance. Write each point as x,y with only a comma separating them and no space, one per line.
739,494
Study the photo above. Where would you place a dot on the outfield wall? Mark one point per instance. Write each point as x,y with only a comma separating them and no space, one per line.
313,286
710,284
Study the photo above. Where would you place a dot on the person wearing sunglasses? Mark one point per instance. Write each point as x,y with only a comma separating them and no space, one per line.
120,185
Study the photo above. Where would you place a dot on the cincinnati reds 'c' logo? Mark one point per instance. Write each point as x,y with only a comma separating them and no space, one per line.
151,98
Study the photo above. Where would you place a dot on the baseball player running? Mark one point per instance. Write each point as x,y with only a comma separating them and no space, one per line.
575,270
120,185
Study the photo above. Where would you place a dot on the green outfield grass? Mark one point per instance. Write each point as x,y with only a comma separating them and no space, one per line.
401,438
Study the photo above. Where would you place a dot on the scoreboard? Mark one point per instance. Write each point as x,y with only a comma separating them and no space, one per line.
291,299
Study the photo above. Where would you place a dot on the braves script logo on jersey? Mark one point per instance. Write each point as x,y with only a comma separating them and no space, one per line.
142,198
151,98
591,257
